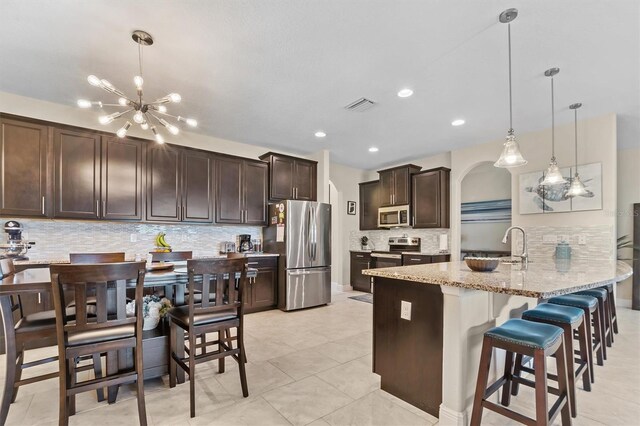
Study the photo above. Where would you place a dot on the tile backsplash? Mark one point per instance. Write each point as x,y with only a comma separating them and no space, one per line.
597,241
379,239
55,239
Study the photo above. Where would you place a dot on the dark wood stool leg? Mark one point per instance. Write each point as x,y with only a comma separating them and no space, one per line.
517,370
588,326
112,368
597,326
563,383
63,413
142,411
569,366
542,411
241,363
603,328
19,361
481,384
10,375
508,372
172,350
585,352
192,374
97,370
607,319
72,381
221,360
614,312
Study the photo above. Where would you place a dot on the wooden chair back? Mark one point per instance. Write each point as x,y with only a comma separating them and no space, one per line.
173,256
222,290
7,269
113,257
95,280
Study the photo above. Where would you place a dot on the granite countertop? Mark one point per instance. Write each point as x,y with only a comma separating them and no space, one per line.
129,259
539,279
417,253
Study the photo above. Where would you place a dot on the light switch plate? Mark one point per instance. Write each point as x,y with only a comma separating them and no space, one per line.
582,239
405,310
133,238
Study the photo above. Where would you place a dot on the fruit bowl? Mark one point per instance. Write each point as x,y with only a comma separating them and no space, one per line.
482,264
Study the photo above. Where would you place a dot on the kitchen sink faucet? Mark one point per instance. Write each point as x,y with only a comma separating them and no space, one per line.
524,256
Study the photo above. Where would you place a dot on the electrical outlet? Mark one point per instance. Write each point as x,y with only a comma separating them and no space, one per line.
582,239
405,310
133,238
549,239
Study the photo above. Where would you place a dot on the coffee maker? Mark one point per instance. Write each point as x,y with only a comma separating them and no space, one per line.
244,243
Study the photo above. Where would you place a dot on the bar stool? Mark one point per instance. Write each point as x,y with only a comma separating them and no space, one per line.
589,306
605,317
612,307
527,338
569,319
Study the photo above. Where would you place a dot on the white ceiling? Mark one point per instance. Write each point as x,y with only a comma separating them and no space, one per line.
272,73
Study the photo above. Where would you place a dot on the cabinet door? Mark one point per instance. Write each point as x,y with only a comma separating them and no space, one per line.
255,190
359,262
121,178
77,174
401,185
430,195
386,188
282,176
228,182
263,289
415,259
197,191
369,203
305,181
23,168
163,183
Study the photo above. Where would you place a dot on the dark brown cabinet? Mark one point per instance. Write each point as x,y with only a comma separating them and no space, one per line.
24,172
179,186
261,290
422,259
121,183
430,198
369,204
77,174
395,185
291,178
241,191
359,262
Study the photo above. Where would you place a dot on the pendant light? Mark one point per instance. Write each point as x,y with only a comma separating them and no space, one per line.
553,176
511,156
577,187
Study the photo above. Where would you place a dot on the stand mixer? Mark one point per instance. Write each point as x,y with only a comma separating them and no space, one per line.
15,248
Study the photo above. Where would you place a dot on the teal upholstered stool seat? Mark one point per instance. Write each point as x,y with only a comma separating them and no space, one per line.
550,312
577,300
526,333
594,292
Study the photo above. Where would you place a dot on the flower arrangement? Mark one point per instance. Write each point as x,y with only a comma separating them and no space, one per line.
153,308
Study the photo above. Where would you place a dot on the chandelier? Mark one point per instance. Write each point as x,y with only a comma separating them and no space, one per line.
147,115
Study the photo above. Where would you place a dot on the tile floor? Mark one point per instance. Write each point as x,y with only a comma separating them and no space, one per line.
313,367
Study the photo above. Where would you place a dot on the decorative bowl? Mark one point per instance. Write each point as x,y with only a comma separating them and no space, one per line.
482,264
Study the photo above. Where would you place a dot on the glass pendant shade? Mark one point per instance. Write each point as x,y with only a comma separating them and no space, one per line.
511,155
577,187
553,176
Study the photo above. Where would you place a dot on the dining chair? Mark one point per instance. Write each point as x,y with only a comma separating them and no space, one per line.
31,331
219,309
107,257
86,334
172,256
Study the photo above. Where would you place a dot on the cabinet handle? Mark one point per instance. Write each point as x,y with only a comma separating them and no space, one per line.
98,208
359,255
43,205
39,298
104,207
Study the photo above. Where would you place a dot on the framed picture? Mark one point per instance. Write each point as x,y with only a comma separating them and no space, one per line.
351,207
531,194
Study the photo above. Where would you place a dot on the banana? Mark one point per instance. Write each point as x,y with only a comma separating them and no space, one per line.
163,242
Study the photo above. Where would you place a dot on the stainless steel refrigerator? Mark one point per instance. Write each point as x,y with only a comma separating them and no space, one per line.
300,231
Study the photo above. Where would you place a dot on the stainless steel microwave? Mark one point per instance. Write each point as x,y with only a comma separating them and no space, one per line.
393,217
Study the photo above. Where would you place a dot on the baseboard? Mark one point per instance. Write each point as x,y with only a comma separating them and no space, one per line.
339,288
623,303
449,417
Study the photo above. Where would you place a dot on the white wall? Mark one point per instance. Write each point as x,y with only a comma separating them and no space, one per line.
628,194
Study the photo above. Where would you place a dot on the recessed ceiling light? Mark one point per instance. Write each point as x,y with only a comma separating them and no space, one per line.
458,122
405,93
373,149
320,134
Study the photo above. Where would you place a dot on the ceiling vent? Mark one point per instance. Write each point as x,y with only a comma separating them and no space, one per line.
360,105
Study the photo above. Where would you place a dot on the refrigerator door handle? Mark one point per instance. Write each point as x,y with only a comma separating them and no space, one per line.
308,236
314,239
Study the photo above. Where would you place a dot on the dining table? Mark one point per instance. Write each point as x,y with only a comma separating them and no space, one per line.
173,279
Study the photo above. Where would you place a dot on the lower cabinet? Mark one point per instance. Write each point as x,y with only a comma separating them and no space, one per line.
359,262
421,259
261,290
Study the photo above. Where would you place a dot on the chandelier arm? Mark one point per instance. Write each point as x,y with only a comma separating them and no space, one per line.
161,121
167,114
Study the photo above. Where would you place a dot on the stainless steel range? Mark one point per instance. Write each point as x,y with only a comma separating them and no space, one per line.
393,257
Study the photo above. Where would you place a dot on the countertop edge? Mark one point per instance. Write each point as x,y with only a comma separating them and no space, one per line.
64,261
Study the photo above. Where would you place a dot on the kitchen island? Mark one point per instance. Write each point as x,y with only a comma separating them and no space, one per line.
431,359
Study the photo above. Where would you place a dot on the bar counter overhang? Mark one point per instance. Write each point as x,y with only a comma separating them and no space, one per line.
431,361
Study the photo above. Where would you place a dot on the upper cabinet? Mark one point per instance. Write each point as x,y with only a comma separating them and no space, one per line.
395,185
291,178
24,171
369,203
179,186
121,183
241,191
77,174
430,198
